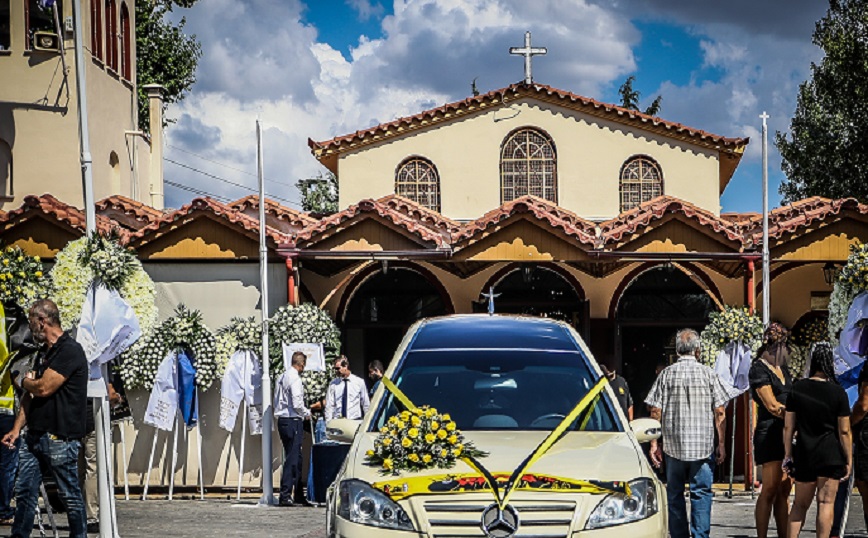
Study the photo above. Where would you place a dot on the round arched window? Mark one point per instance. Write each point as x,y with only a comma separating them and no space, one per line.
528,165
641,180
418,180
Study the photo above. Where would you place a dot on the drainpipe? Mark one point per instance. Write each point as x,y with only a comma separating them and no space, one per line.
155,103
291,295
749,289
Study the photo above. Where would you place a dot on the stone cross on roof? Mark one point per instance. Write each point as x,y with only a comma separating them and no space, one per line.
528,52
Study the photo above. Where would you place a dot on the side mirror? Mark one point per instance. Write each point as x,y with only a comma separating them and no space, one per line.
646,429
343,429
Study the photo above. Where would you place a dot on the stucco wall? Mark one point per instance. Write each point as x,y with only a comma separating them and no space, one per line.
590,153
39,121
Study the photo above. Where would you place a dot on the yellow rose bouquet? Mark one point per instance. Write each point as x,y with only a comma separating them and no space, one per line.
418,440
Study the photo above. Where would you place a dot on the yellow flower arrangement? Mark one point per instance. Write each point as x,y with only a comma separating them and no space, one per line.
417,440
23,278
733,324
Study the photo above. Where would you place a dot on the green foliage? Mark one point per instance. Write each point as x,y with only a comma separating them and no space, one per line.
319,194
630,98
165,55
826,152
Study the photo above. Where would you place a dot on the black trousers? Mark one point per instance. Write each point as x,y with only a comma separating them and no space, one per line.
291,434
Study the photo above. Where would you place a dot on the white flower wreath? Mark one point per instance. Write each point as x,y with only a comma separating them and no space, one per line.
733,324
304,324
242,334
852,280
73,274
184,330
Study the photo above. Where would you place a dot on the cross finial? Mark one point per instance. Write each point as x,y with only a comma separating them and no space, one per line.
490,296
764,117
528,52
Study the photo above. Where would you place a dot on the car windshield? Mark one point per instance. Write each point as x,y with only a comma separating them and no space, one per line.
498,389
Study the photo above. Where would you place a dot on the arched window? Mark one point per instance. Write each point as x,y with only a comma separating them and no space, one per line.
96,28
641,180
126,50
111,35
418,180
528,165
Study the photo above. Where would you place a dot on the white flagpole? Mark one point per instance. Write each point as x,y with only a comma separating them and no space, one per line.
267,478
767,285
174,456
199,448
121,425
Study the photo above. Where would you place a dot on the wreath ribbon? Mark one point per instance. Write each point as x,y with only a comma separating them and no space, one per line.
587,402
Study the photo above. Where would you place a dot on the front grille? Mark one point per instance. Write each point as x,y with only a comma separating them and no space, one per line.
537,519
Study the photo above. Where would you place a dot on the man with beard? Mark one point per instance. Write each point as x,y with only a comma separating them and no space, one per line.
53,409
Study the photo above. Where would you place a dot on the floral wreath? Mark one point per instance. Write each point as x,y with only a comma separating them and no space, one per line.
242,334
22,279
184,330
79,263
417,440
733,324
852,280
305,323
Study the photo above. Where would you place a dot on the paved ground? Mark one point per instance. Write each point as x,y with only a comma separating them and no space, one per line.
221,518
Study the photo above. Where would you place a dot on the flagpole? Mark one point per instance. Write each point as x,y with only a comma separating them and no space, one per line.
267,498
767,285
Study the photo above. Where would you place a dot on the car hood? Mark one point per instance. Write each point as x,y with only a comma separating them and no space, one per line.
578,456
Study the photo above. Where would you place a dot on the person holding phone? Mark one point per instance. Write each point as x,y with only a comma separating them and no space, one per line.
818,415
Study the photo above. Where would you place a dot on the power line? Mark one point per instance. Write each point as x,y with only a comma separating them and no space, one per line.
188,152
224,180
196,191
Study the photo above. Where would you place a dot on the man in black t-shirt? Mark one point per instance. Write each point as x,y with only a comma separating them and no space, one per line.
53,408
622,391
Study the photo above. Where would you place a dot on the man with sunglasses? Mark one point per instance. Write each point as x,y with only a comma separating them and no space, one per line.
347,395
53,408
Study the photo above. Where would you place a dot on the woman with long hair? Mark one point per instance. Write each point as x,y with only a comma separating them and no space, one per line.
818,414
770,384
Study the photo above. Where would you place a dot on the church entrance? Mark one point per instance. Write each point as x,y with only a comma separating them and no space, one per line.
538,290
653,307
381,310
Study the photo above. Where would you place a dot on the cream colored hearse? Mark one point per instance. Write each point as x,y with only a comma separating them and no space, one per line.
510,386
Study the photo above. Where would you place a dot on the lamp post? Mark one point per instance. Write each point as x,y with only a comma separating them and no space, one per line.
830,273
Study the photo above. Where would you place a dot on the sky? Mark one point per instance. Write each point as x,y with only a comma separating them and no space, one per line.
325,68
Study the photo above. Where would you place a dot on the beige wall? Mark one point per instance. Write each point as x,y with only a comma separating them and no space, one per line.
791,293
39,120
590,153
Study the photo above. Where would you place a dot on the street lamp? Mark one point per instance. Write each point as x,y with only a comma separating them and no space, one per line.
830,272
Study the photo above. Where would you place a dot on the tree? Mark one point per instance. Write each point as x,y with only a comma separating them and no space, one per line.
826,152
319,194
165,55
630,98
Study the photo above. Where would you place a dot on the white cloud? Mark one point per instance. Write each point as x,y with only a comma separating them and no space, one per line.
366,9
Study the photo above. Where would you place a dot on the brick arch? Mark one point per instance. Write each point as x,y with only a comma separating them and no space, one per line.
363,276
710,287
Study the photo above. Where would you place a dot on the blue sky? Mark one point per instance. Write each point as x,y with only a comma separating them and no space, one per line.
326,68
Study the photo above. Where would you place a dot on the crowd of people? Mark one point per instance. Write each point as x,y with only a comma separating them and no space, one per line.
802,436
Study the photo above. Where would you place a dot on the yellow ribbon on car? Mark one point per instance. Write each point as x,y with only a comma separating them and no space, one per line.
516,479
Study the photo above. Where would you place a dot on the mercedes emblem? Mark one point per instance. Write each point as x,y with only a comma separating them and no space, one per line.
497,523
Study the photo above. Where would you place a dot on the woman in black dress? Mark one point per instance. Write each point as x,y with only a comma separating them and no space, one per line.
818,413
770,383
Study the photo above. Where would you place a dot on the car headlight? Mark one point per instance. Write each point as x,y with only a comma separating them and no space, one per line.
360,503
618,508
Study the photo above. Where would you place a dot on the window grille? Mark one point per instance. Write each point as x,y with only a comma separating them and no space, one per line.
528,165
641,180
417,179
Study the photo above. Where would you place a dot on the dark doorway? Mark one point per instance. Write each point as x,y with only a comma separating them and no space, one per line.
536,290
380,312
652,309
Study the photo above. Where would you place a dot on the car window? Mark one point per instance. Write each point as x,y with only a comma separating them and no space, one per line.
500,389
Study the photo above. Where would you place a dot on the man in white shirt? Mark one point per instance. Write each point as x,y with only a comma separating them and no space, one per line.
290,412
347,396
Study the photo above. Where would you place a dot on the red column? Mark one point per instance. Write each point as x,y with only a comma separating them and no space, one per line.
291,296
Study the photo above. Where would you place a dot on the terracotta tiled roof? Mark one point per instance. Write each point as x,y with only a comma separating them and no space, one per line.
217,209
53,208
292,216
430,218
512,92
568,222
643,215
127,212
410,223
792,218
